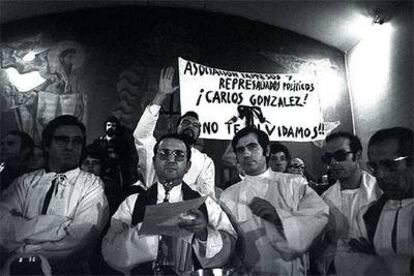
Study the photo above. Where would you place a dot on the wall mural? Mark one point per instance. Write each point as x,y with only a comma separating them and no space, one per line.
41,80
114,56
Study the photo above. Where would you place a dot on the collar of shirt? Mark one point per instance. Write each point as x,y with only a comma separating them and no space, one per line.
70,175
176,193
263,175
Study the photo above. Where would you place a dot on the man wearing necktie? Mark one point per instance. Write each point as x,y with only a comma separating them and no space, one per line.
55,213
211,237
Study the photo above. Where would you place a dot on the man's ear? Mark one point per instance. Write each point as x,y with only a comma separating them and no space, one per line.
358,156
267,151
188,166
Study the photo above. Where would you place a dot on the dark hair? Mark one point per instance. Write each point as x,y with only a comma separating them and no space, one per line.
354,142
112,119
403,135
93,151
278,147
174,136
188,114
64,120
26,142
262,137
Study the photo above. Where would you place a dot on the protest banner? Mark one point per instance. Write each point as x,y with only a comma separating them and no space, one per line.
285,106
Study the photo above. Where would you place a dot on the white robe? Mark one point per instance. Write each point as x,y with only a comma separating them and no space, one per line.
77,213
302,212
124,249
386,261
346,208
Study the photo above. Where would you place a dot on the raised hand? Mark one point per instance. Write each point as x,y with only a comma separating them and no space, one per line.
165,86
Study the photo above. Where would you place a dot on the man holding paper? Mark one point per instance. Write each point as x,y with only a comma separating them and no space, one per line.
200,237
278,213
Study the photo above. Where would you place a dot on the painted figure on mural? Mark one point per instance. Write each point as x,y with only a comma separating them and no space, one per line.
40,80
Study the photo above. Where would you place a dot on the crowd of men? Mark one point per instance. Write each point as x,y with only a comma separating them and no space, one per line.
73,205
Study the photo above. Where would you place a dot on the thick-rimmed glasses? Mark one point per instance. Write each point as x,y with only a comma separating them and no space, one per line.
339,155
164,154
386,164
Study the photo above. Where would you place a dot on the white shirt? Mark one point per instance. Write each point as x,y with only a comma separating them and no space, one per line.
302,212
348,206
200,176
76,215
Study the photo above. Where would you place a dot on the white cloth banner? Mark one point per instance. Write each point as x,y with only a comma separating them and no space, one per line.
285,106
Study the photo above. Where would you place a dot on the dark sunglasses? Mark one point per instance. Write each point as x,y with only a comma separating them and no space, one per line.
386,164
339,155
164,154
296,166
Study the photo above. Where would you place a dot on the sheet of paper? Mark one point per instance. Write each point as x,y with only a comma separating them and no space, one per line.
162,219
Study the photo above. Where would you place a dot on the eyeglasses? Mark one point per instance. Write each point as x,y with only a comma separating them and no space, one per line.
185,122
164,154
63,140
296,166
339,155
251,147
386,164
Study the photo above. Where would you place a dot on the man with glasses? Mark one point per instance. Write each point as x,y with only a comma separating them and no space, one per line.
390,221
57,212
200,176
280,216
210,239
348,198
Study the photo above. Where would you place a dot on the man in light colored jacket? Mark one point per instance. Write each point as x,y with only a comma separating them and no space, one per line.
200,176
348,198
279,215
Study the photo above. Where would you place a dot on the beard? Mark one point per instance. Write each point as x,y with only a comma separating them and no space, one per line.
110,132
189,136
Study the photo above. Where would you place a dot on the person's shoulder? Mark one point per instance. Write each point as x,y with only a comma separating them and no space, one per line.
288,178
331,190
88,179
199,154
232,190
30,176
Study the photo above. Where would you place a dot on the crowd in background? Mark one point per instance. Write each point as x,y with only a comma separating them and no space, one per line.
274,217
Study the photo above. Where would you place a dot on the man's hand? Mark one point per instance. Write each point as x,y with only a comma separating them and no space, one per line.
197,224
165,87
165,83
16,213
262,208
361,245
